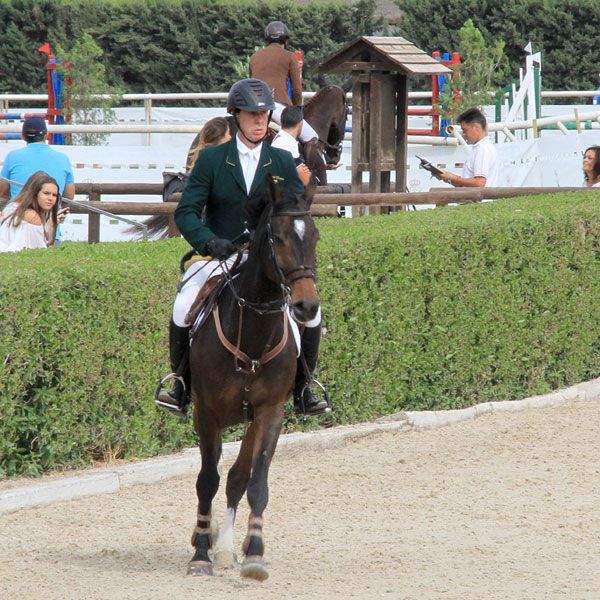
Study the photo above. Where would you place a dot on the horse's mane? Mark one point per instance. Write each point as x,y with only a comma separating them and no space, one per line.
316,98
258,207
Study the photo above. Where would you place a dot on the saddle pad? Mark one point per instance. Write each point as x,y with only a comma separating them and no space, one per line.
194,259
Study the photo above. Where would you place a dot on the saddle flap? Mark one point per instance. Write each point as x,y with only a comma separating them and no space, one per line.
205,300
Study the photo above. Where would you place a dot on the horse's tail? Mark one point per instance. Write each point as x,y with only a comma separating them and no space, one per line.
157,227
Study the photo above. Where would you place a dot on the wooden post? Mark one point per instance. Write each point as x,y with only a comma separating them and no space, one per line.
360,128
401,132
94,221
172,230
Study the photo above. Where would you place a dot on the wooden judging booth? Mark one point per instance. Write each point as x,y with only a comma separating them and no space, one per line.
380,67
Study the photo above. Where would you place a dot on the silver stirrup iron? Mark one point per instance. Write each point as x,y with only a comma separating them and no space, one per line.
161,385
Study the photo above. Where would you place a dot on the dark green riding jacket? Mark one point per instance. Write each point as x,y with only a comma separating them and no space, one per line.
217,183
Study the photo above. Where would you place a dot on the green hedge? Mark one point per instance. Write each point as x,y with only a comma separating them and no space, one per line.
169,45
427,310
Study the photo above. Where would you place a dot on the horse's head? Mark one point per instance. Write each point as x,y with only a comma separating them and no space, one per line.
327,112
286,237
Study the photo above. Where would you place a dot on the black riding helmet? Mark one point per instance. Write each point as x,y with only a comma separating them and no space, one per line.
251,95
276,31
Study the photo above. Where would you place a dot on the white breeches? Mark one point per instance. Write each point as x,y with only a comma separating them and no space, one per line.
195,277
307,133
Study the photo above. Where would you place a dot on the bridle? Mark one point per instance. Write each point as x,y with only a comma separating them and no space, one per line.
242,362
333,152
285,277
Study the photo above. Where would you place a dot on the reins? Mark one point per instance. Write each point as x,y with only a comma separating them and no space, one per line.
263,308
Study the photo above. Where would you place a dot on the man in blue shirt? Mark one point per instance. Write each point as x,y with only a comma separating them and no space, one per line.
37,155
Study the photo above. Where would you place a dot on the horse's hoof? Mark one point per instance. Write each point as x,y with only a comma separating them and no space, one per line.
254,568
224,559
200,567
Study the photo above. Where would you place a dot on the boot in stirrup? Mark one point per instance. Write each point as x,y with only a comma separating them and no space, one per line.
306,402
176,399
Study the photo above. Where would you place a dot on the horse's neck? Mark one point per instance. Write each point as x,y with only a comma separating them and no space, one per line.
320,120
254,285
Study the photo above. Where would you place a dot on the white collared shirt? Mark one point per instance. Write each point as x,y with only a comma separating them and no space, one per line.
249,158
285,141
482,161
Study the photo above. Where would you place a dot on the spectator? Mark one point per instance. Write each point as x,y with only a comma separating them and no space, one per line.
591,166
33,222
214,133
275,64
481,167
287,139
21,164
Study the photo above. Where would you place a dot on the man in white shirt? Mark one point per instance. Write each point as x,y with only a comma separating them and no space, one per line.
287,139
481,167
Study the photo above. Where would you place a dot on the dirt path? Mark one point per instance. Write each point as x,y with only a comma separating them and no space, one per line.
503,507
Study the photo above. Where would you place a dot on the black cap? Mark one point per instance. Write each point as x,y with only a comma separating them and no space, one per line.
34,126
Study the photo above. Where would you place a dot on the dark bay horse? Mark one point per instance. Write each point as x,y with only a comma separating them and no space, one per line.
326,111
243,364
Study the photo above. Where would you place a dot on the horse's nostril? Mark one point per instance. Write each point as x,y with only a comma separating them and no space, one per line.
305,310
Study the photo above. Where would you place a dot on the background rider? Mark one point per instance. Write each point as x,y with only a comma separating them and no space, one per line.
275,64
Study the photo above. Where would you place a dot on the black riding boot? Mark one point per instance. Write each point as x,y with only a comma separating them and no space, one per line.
305,400
178,398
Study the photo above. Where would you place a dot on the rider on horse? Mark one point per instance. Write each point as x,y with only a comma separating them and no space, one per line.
221,183
275,64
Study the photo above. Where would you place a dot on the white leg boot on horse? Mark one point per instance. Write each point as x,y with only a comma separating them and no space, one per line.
306,402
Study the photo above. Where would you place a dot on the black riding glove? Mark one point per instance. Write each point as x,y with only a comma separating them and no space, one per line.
219,248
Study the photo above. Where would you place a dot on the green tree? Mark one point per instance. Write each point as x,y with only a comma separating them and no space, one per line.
481,74
85,78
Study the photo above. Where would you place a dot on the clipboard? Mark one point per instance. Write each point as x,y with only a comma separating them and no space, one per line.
425,164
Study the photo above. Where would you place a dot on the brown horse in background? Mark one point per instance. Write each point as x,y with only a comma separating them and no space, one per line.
327,112
243,364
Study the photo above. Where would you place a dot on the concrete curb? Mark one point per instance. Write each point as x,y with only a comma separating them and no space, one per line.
108,480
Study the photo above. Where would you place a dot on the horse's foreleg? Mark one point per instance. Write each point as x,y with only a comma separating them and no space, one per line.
237,481
207,485
268,425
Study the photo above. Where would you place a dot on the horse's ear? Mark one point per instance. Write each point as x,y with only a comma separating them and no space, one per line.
310,190
270,188
321,81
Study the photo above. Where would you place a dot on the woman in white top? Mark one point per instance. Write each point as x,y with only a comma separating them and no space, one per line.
591,166
33,222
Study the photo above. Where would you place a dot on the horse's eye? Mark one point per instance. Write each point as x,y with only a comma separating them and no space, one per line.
278,240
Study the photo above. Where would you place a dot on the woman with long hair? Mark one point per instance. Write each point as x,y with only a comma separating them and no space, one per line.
591,166
213,133
33,222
